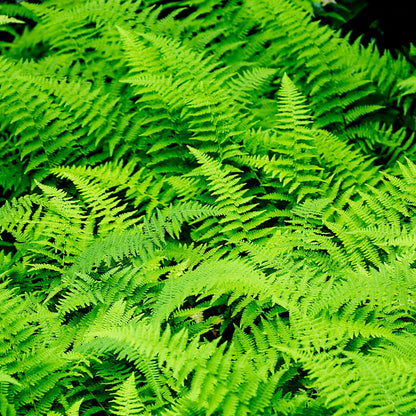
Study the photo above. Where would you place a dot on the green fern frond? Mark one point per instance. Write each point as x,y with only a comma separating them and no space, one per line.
4,20
342,384
212,278
293,110
127,401
140,241
105,208
30,352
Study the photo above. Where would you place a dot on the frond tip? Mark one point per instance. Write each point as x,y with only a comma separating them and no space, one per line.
127,401
5,20
294,112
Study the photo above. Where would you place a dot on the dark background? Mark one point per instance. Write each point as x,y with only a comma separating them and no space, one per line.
391,24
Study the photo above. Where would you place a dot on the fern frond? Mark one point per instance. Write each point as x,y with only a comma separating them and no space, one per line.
216,278
293,110
342,384
4,20
30,352
127,401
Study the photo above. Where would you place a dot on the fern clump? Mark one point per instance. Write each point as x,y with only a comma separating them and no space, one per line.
207,208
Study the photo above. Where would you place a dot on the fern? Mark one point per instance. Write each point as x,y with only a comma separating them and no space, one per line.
128,401
207,208
36,360
4,20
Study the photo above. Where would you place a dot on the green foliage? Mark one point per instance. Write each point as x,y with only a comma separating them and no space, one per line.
207,208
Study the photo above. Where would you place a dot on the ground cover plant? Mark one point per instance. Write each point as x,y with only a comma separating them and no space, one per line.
207,208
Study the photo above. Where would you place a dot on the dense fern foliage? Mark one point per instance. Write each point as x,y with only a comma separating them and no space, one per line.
207,208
